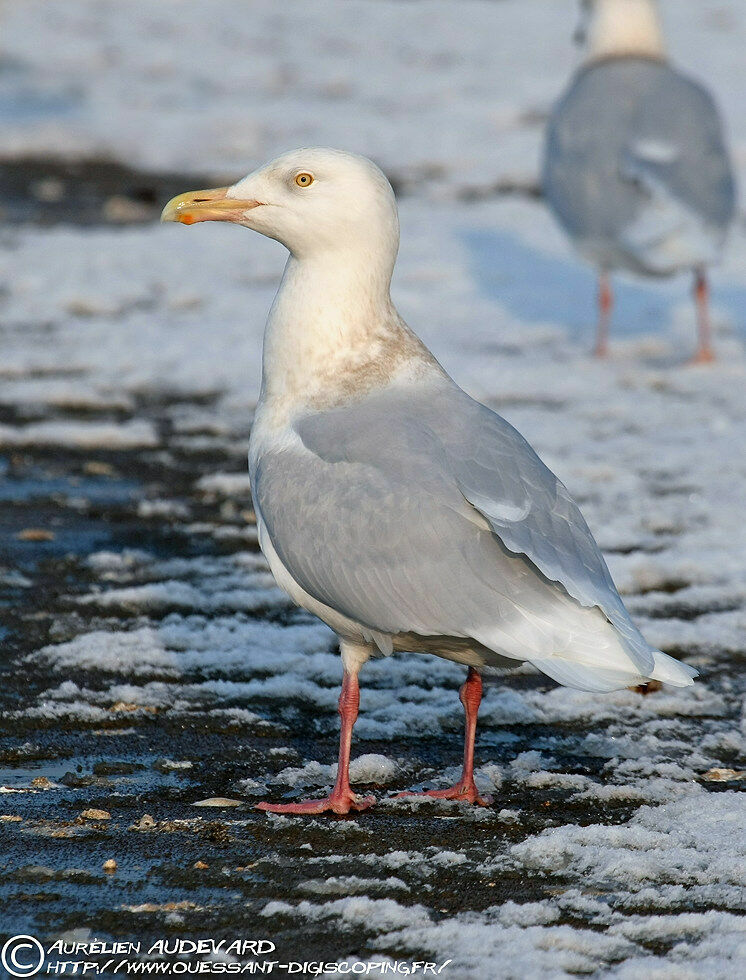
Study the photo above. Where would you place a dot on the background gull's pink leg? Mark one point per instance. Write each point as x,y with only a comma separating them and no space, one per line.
705,354
605,303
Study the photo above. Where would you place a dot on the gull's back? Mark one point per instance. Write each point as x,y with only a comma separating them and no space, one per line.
636,167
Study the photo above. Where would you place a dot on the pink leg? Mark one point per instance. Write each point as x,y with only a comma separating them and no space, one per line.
465,789
341,799
605,303
705,354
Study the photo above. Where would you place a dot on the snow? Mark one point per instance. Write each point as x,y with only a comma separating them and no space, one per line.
443,96
368,768
225,484
81,435
686,843
373,768
351,884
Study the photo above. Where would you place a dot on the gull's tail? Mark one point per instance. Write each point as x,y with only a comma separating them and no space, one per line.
603,679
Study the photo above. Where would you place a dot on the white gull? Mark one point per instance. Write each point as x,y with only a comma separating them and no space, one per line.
389,503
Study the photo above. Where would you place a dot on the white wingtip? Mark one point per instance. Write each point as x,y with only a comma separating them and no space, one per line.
603,679
671,671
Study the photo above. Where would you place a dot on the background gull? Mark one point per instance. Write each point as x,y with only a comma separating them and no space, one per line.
636,168
389,503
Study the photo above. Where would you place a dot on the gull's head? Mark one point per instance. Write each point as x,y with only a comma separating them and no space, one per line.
614,28
311,200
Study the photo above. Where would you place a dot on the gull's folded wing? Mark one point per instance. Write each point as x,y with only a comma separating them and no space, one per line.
545,525
676,156
421,511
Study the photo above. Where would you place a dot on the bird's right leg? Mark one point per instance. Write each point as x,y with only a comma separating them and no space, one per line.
465,789
605,304
705,354
341,799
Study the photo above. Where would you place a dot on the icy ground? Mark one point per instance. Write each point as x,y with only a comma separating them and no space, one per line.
149,662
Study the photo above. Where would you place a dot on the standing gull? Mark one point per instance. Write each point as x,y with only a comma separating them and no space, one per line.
389,503
635,167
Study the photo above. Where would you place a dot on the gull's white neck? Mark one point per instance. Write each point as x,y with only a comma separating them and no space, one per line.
625,27
332,334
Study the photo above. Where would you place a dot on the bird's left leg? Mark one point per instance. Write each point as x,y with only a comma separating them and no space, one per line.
341,799
605,305
705,354
465,789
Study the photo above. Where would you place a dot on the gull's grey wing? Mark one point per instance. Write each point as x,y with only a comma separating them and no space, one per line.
636,166
423,511
533,514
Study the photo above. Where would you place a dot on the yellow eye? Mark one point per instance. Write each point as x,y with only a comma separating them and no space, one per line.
304,180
